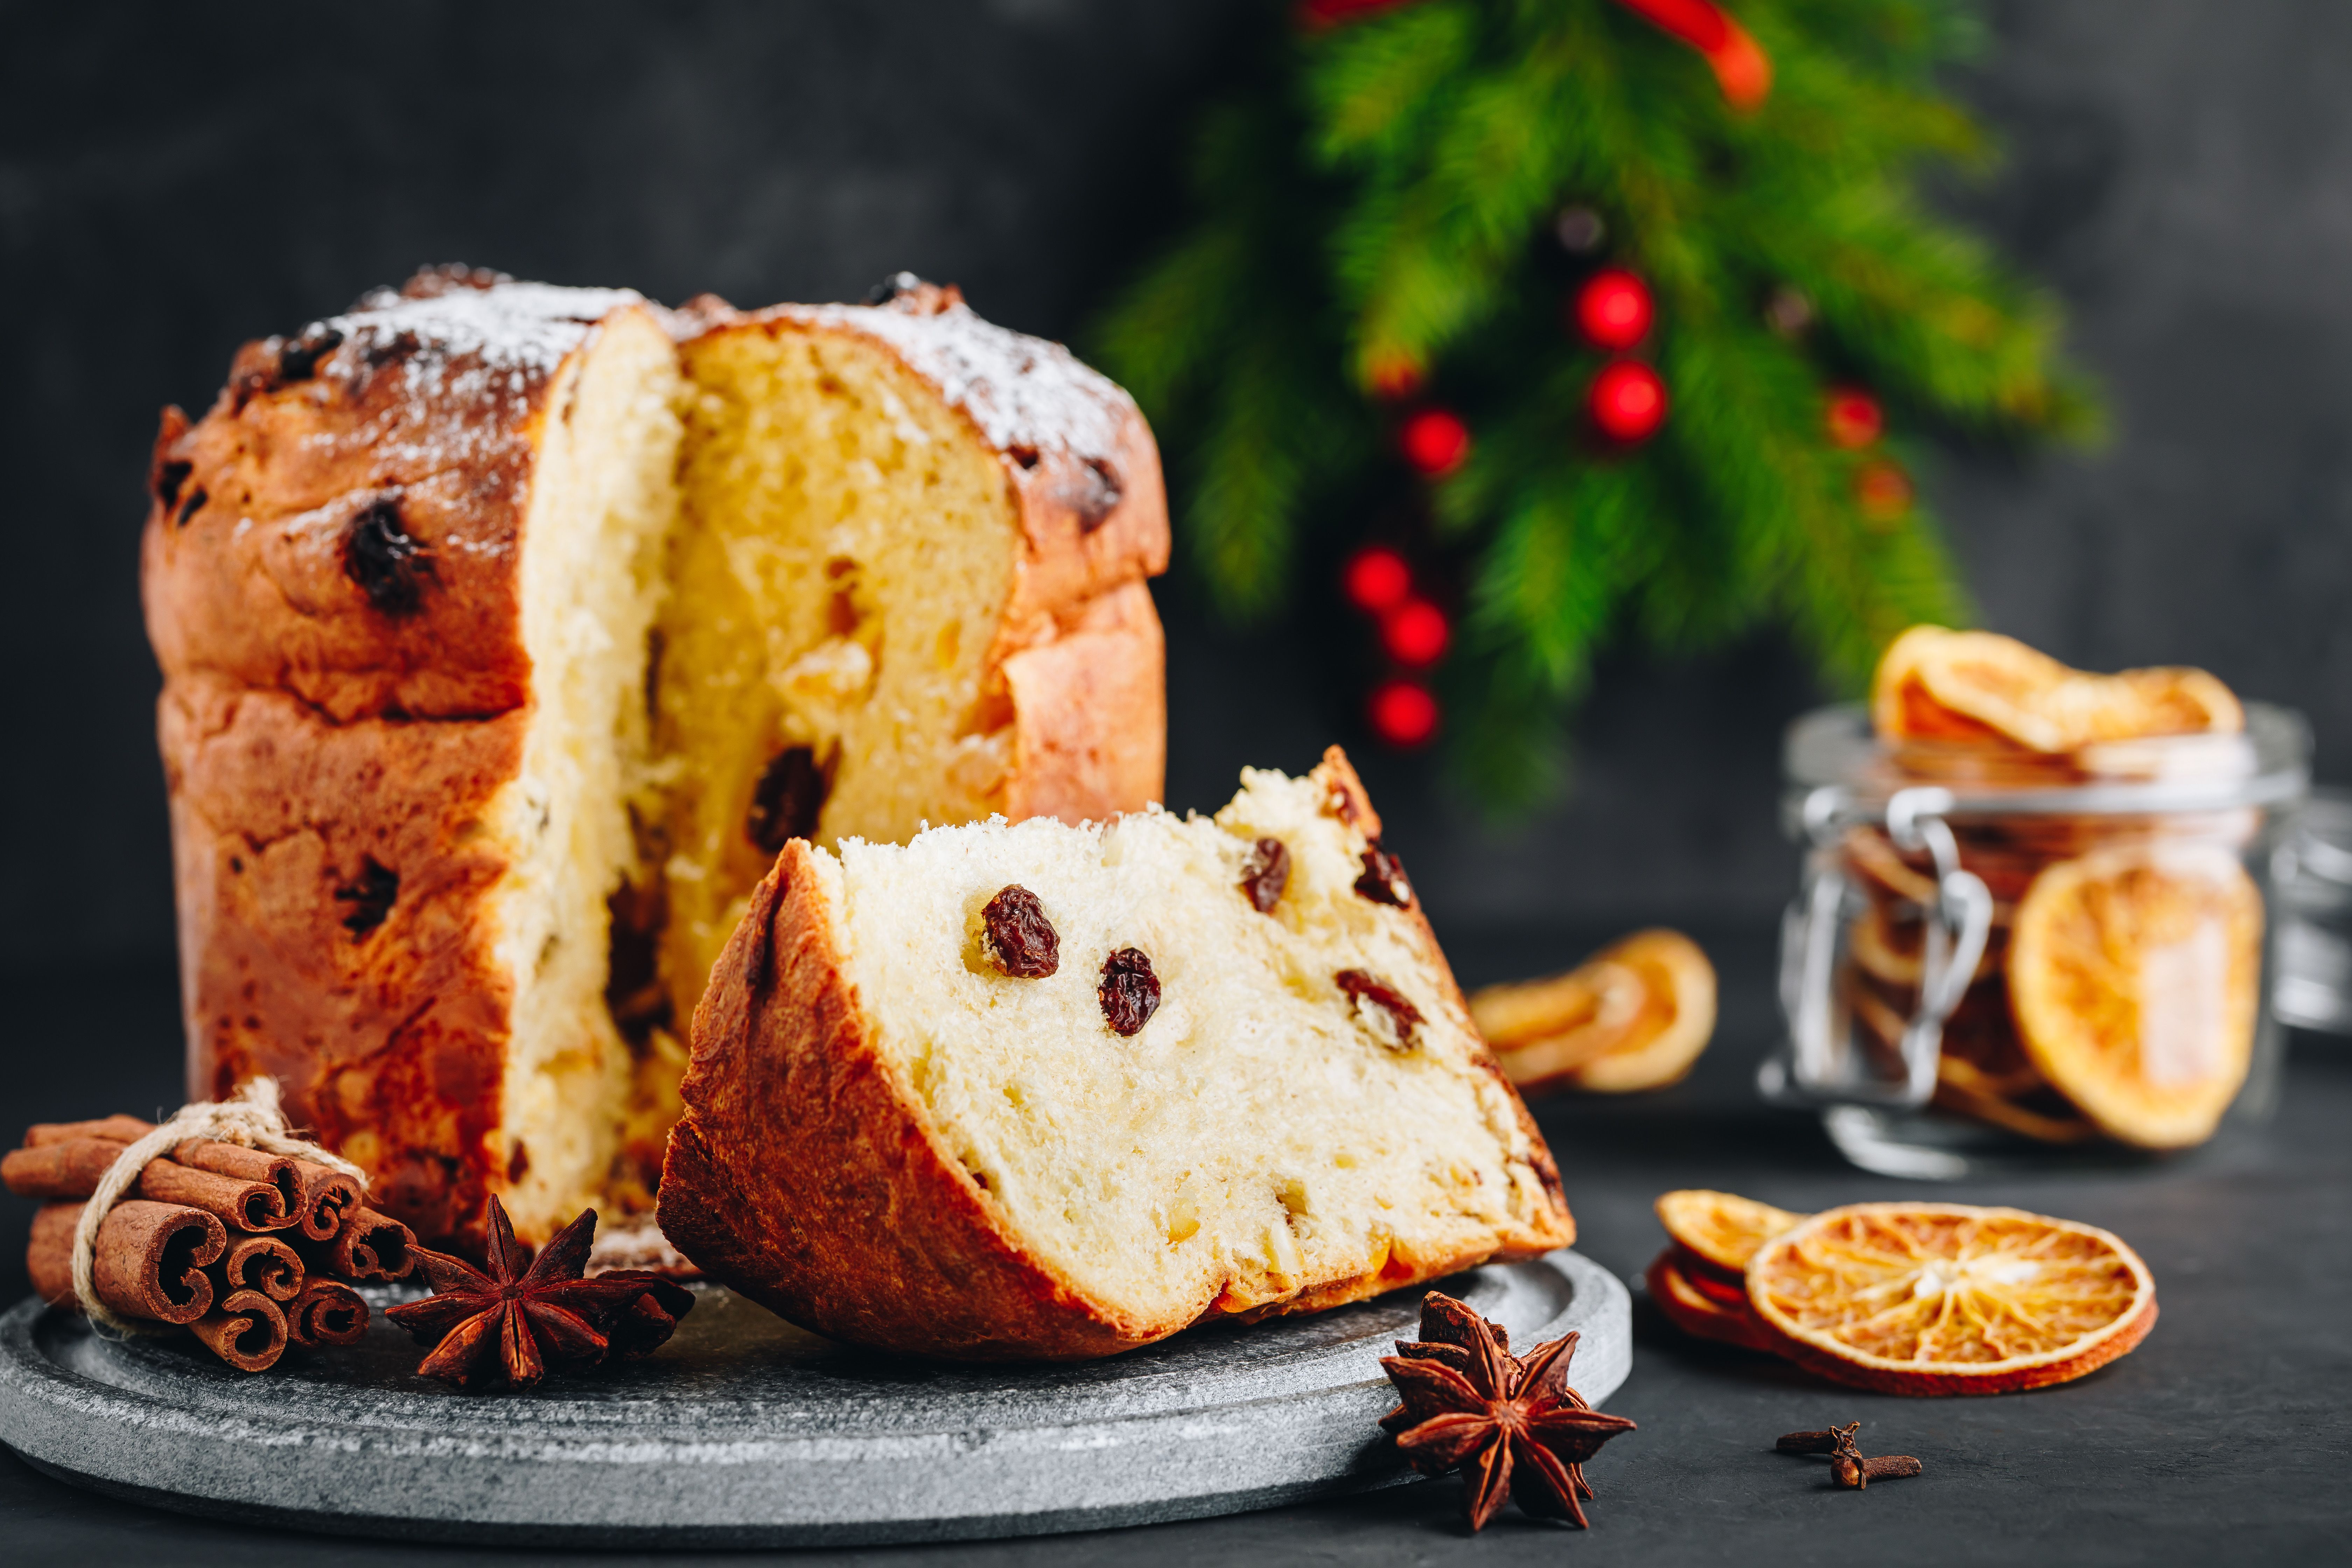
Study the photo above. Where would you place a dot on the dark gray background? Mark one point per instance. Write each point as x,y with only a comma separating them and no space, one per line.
175,179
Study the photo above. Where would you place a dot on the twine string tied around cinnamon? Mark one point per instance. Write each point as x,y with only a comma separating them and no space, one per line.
251,1117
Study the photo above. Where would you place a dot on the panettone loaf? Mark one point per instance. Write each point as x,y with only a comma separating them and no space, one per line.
1017,1091
499,621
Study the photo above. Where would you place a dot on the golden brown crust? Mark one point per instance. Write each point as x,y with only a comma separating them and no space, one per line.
805,1173
1090,713
388,1038
246,570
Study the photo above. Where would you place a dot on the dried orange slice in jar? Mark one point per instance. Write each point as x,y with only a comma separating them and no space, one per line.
1722,1228
1931,1298
1634,1015
2134,976
1944,686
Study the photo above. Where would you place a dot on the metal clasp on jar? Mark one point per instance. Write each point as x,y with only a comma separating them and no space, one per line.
1818,1065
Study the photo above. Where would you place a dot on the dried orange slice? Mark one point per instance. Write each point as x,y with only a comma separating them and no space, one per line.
1892,950
2135,976
1634,1015
1937,684
1694,1312
1723,1287
1978,687
1722,1228
1931,1298
1966,1089
1871,856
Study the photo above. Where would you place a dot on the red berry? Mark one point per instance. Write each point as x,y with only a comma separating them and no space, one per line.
1854,419
1628,401
1376,579
1402,712
1883,491
1415,633
1396,374
1613,309
1434,442
1316,15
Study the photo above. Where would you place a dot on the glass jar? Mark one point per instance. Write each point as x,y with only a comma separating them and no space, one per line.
1998,959
2312,874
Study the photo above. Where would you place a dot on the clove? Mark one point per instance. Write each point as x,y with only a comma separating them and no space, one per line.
1808,1442
1848,1466
1849,1472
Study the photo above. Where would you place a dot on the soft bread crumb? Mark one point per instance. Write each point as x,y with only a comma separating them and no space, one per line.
846,555
602,508
1260,1136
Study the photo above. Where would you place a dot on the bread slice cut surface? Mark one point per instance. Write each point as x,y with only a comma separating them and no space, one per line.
1091,1085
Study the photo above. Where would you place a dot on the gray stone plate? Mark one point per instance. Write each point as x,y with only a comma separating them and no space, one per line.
746,1431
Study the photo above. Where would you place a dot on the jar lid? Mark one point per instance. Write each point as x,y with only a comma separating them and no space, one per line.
2267,764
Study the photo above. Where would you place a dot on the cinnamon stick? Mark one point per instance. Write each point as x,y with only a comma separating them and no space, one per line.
262,1263
247,1331
326,1195
115,1129
328,1312
70,1169
149,1263
371,1245
248,1205
246,1166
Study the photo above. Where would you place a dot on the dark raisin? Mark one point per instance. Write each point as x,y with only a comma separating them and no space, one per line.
370,895
1266,873
1341,803
1024,455
1392,1020
299,358
1020,938
518,1163
1130,992
1383,880
249,384
169,478
634,992
389,566
787,800
1097,493
193,505
913,296
432,282
378,351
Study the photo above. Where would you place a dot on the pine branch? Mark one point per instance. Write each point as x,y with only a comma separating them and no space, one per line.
1381,215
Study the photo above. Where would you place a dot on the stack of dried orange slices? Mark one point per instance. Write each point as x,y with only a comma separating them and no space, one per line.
1919,1298
2119,992
1634,1015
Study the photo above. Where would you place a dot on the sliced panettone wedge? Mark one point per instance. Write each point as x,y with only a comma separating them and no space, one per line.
1030,1090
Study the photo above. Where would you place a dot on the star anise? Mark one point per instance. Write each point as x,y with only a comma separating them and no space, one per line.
530,1315
1512,1427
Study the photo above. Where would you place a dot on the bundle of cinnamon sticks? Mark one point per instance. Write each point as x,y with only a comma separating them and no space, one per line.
248,1251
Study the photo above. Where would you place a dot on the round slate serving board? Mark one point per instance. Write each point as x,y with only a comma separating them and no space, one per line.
746,1431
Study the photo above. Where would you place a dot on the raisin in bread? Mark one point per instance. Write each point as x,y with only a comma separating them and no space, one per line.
1028,1090
506,631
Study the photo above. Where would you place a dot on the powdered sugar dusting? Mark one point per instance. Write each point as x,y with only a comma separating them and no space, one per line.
513,327
471,364
1022,391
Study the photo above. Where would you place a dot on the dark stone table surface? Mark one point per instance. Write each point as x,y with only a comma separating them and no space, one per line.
2224,1438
